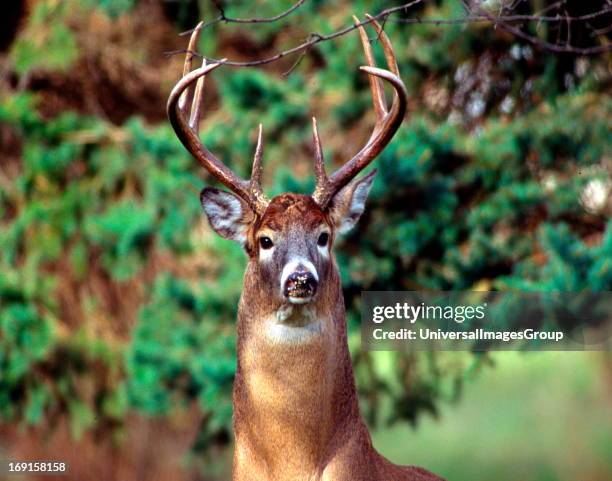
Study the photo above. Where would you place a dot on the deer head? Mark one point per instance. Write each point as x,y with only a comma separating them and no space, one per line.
289,238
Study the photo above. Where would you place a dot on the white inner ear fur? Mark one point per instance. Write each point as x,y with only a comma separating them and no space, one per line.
226,214
221,216
351,202
356,208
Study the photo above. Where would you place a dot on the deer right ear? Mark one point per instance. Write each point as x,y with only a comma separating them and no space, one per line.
227,214
348,204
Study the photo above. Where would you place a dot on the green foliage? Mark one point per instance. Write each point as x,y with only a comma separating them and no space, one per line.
48,43
571,265
114,8
26,338
180,350
122,232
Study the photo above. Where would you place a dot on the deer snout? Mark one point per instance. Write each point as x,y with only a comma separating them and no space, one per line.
299,282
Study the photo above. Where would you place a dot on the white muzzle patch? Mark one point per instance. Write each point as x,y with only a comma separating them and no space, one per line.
294,265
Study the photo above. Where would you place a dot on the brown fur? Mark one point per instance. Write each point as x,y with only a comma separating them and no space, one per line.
296,412
287,209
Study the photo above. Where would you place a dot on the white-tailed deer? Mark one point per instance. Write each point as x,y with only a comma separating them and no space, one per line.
296,412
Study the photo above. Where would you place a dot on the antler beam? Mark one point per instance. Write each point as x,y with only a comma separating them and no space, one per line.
387,120
187,130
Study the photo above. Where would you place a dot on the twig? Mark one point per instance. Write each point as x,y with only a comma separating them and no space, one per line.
474,17
290,70
224,18
479,18
551,46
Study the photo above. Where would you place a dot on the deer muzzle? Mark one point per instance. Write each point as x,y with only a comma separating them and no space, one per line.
299,282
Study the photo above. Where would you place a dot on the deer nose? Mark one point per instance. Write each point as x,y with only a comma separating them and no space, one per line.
300,286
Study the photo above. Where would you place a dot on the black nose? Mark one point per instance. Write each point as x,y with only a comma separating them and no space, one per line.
300,285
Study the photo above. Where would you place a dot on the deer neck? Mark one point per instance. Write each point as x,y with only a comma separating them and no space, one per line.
294,391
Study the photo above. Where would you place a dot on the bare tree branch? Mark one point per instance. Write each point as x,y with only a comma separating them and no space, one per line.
314,38
474,15
553,47
475,18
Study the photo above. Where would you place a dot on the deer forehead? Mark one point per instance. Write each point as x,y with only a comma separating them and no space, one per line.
292,212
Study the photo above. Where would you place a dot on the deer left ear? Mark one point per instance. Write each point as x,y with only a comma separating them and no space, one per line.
228,214
349,203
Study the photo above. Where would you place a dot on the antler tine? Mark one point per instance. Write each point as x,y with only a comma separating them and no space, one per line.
196,104
387,120
191,48
319,165
378,94
257,170
391,63
187,130
387,47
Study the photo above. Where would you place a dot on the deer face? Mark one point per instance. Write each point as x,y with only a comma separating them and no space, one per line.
290,244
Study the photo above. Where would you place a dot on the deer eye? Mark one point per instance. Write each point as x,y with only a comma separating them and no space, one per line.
323,239
266,242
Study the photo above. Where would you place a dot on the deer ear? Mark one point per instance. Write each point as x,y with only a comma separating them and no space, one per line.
227,214
349,203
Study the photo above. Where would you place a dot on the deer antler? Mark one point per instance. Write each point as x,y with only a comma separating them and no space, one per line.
387,120
187,131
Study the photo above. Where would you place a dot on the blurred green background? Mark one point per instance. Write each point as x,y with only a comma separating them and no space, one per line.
117,302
